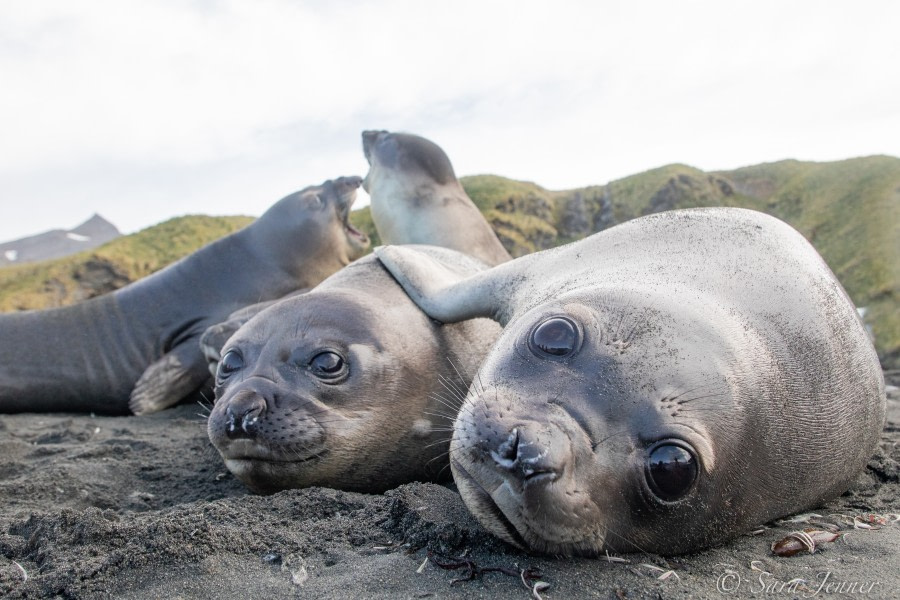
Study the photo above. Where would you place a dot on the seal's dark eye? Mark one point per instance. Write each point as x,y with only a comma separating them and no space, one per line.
554,337
328,365
231,362
671,471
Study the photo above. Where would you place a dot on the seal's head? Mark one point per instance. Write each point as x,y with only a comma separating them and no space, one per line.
314,223
590,427
389,153
343,387
417,199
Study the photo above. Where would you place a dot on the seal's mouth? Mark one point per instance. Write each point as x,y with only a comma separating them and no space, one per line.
485,509
345,203
353,232
255,460
249,452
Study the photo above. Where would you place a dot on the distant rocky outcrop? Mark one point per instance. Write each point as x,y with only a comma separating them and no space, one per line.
58,243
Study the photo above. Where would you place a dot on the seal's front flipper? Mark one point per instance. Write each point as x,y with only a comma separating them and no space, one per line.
169,379
443,293
214,338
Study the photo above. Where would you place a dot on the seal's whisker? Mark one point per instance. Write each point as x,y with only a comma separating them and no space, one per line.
458,447
463,377
636,328
443,429
445,467
439,456
623,313
453,392
450,418
692,390
479,383
716,395
449,396
446,409
461,384
453,404
452,384
445,440
467,407
612,532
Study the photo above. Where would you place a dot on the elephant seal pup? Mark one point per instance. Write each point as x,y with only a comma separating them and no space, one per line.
660,386
417,199
136,348
349,386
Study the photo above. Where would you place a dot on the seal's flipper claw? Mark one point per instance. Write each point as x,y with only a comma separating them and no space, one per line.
213,340
168,380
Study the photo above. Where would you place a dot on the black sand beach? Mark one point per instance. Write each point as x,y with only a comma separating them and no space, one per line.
129,507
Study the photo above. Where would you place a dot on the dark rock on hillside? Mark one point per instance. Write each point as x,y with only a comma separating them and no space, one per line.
849,210
686,190
576,217
98,276
528,204
57,243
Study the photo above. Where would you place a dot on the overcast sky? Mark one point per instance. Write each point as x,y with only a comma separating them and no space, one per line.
143,110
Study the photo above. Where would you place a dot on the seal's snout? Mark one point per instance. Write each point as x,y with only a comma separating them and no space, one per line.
369,138
345,188
528,454
348,183
243,414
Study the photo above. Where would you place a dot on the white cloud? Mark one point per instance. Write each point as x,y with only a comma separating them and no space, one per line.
146,109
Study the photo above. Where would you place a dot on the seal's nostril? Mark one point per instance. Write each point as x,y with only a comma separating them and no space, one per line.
243,415
509,449
523,456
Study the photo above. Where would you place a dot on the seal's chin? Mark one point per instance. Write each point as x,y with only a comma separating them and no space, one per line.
269,469
480,503
537,516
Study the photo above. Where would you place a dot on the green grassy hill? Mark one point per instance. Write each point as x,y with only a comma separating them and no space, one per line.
87,274
849,210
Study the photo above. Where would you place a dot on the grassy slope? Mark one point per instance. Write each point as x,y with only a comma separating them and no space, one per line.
849,210
63,281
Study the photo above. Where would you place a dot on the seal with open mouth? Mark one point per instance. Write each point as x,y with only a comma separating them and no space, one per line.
660,386
136,349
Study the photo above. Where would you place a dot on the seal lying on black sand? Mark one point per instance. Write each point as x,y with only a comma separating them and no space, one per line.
416,198
660,386
136,348
348,386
